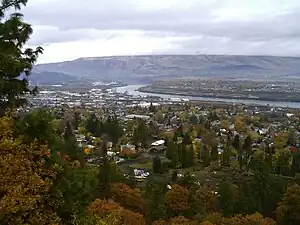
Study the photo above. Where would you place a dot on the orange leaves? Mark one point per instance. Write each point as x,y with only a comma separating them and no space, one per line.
25,180
128,217
179,220
104,209
128,197
207,200
177,198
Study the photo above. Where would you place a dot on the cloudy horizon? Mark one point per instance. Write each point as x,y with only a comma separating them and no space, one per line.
72,29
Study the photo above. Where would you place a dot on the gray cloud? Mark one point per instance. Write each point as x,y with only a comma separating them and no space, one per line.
80,20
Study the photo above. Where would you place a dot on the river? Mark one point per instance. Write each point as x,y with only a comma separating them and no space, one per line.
132,90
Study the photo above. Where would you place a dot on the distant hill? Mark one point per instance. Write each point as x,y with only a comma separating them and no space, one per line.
144,69
50,78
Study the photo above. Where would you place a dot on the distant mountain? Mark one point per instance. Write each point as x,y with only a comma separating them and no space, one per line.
50,78
145,69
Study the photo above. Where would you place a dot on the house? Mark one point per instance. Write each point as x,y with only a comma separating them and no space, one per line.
127,149
157,146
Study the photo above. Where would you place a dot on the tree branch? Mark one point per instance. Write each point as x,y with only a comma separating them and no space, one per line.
15,3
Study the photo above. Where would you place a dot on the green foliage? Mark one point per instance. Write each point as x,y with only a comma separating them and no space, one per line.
154,193
140,134
228,198
157,165
78,188
15,61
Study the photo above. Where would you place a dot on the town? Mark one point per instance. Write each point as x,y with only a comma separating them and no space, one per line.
149,127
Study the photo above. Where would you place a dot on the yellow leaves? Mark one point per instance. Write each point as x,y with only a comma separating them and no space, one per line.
224,124
238,123
255,218
25,181
5,126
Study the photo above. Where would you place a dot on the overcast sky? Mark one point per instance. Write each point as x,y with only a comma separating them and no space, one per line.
69,29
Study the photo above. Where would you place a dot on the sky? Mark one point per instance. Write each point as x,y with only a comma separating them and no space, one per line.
69,29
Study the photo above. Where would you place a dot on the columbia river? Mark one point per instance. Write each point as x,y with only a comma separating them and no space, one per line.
132,90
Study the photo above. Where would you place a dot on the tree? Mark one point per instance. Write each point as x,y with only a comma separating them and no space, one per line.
155,193
140,134
127,197
15,61
236,142
193,119
157,165
159,117
104,173
292,137
247,146
36,124
228,194
113,128
238,123
206,156
177,199
224,124
76,120
27,175
78,187
207,200
93,125
288,210
118,215
226,156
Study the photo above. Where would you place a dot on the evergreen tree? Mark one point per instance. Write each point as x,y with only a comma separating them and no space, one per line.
157,165
206,156
169,149
186,139
155,195
68,132
214,153
76,120
247,146
104,173
16,61
175,156
226,156
228,198
236,142
92,124
140,134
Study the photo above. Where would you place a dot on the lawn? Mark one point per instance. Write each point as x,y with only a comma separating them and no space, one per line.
146,166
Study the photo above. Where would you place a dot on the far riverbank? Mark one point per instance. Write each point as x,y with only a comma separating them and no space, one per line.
134,90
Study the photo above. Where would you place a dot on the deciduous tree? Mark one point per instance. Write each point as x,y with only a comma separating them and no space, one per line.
288,210
27,176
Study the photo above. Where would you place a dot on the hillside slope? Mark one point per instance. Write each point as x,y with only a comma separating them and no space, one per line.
137,69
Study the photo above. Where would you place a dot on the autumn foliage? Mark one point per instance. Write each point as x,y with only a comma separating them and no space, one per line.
128,198
177,198
255,218
27,177
105,208
288,211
